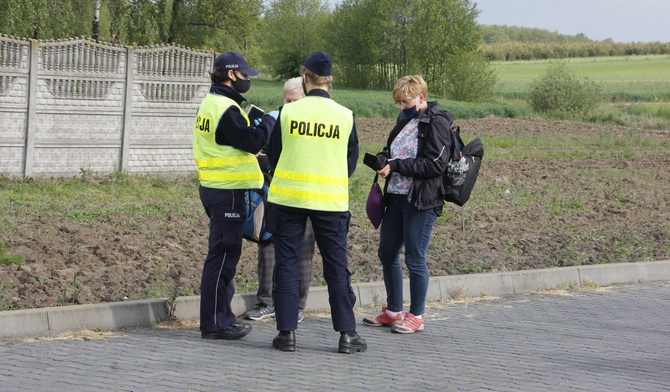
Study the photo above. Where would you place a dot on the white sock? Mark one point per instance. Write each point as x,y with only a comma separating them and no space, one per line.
392,314
420,317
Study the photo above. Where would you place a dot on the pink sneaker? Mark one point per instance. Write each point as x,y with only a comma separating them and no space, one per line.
383,319
410,324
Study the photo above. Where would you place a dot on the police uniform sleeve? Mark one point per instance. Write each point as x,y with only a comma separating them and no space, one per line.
274,145
233,131
352,150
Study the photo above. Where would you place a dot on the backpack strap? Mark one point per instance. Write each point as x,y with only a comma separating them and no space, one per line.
455,134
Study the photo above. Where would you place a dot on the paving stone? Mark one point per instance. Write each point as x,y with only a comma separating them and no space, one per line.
612,339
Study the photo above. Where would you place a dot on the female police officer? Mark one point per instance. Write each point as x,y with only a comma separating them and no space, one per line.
224,145
313,150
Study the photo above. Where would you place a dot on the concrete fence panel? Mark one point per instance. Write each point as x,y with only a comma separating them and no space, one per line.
80,105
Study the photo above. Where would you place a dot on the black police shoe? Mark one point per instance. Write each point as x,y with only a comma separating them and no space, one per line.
285,341
232,332
351,342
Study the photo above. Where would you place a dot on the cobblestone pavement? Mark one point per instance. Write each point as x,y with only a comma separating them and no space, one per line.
607,339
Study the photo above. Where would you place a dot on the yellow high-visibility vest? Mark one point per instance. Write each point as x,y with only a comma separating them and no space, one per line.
220,166
312,169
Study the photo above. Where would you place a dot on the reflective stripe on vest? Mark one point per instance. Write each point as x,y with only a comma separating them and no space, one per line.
312,171
221,166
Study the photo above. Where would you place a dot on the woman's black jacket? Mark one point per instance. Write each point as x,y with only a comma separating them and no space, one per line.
433,150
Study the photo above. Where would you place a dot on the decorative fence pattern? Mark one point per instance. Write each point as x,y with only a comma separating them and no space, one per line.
79,105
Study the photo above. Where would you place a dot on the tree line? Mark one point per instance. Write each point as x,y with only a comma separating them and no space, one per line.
492,34
373,42
514,51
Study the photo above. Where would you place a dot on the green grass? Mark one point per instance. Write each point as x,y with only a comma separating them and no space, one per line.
91,199
266,94
6,258
629,78
4,303
553,144
643,81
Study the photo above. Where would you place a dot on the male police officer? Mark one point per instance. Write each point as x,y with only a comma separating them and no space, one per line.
314,149
224,145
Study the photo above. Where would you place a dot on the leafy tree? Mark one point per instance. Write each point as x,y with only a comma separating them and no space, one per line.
45,19
380,40
469,78
96,20
195,23
290,31
217,24
140,22
116,9
370,40
350,44
562,93
447,55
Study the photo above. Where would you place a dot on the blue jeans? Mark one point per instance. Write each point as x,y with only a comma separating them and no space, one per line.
404,225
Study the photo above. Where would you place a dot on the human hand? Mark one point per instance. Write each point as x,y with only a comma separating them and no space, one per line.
257,122
385,171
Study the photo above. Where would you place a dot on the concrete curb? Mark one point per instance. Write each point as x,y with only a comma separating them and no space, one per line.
16,324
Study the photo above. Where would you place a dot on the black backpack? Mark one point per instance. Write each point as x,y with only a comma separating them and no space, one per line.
463,168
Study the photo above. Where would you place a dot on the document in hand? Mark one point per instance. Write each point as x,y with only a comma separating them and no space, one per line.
254,112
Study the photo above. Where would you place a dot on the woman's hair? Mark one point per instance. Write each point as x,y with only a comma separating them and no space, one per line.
219,76
316,79
411,85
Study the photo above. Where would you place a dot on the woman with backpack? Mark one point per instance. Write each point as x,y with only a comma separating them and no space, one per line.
417,151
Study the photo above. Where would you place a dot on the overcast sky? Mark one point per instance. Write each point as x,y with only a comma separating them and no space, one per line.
620,20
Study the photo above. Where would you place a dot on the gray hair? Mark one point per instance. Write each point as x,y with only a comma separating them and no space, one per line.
293,85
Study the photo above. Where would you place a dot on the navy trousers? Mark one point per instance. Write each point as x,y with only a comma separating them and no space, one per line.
287,226
226,211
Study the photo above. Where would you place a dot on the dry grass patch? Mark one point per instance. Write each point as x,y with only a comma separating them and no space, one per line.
85,335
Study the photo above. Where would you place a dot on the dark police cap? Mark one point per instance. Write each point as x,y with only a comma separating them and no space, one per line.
234,61
319,63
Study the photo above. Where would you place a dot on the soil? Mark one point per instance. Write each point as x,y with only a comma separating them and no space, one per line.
537,212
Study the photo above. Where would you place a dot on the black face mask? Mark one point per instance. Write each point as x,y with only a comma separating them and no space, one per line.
304,88
241,86
410,112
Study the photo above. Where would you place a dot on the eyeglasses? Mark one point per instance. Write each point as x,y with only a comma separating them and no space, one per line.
404,102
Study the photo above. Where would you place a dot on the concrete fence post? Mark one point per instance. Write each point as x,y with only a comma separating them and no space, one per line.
127,109
31,112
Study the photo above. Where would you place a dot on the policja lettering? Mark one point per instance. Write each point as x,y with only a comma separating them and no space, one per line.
305,128
203,124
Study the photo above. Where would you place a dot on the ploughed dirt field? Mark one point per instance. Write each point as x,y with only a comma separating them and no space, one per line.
549,194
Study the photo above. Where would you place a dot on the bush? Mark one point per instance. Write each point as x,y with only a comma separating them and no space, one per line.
560,92
471,78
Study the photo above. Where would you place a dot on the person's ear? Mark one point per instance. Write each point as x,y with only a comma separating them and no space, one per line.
231,73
